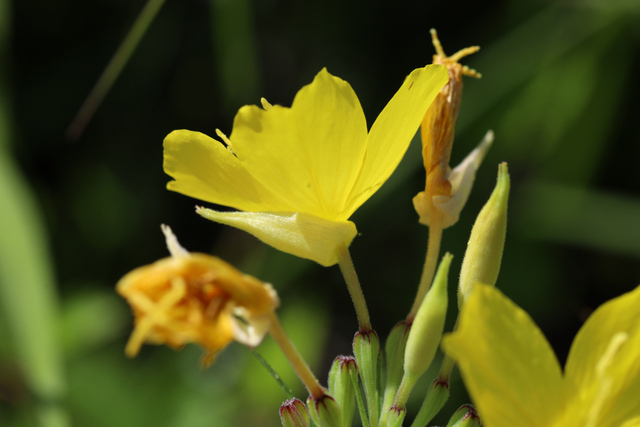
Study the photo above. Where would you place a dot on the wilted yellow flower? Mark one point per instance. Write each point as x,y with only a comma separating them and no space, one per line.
514,378
446,191
299,173
195,298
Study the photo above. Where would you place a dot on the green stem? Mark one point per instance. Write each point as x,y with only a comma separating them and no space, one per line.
430,263
115,66
353,285
299,365
446,368
404,391
447,362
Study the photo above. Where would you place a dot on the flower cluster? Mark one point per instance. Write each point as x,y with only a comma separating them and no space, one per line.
295,176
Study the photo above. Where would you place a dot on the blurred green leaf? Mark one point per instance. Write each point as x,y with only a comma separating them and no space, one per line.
235,51
27,281
114,68
91,319
570,109
580,216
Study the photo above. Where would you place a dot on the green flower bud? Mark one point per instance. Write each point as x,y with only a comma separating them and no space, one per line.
396,416
426,332
465,416
366,347
394,352
341,387
324,411
434,401
293,413
484,250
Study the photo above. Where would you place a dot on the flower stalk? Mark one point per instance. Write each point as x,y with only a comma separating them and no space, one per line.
355,290
297,362
430,263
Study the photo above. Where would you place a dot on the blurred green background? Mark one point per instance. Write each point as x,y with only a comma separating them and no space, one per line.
558,88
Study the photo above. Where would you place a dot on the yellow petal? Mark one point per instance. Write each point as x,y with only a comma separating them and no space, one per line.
310,154
394,129
297,233
205,169
507,365
635,422
596,375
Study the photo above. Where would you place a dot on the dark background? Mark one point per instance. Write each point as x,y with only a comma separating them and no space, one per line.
559,89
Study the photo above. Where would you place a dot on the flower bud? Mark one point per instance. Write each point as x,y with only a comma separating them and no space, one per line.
394,358
341,386
366,346
484,250
465,416
324,411
293,413
425,334
434,401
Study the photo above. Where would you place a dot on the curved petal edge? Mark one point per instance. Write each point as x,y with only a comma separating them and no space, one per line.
298,233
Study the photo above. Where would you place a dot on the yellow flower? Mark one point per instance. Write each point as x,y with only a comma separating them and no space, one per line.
515,379
195,298
299,173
